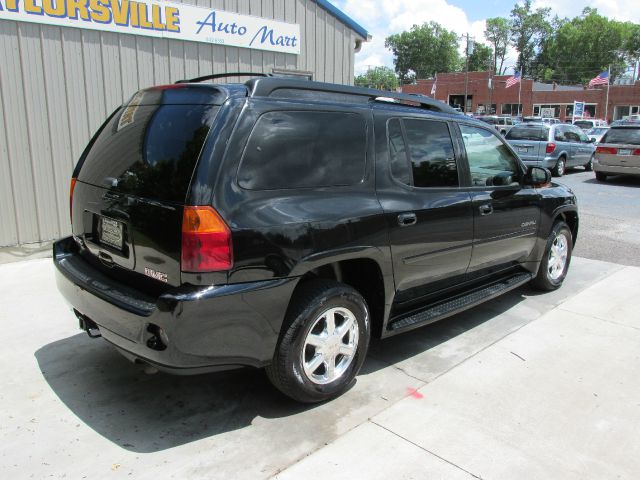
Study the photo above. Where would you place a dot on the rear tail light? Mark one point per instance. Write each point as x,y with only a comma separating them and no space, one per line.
551,147
206,241
71,188
636,151
607,150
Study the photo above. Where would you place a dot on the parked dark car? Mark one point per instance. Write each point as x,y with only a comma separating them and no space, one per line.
281,223
556,147
618,152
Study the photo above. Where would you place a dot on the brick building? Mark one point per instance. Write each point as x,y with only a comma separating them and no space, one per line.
535,98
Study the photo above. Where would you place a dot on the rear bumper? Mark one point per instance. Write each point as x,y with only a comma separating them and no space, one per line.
615,169
205,328
547,162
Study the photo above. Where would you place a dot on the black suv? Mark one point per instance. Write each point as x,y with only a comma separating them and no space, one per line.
280,223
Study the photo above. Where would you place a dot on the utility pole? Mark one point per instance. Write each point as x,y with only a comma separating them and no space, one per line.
606,102
467,50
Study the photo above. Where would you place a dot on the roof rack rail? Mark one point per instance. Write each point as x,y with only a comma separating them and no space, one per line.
223,75
265,87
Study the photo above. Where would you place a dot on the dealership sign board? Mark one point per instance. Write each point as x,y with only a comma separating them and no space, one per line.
159,19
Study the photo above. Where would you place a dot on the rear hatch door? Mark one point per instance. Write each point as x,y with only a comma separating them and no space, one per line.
133,179
529,142
626,143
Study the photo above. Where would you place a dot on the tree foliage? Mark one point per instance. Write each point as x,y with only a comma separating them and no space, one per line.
481,59
582,47
497,34
382,78
424,50
528,29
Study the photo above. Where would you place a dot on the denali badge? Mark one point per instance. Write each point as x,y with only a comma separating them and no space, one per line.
530,223
157,275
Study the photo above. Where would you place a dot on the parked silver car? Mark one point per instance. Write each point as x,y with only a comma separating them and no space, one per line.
618,152
556,147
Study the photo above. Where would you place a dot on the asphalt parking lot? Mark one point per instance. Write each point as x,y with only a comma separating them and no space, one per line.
609,216
525,386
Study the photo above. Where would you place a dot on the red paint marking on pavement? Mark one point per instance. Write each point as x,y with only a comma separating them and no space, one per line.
413,392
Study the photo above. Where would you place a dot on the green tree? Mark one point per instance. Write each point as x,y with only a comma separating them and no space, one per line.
582,47
425,50
481,59
497,34
528,28
631,46
382,78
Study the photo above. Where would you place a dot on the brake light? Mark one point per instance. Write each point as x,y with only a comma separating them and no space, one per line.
551,147
71,188
607,150
636,151
206,241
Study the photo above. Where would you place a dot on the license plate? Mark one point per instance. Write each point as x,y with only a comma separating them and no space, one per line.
111,232
523,149
624,151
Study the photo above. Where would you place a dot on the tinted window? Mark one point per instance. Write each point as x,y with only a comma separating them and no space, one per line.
433,162
491,163
304,150
149,150
584,124
630,136
398,153
559,134
528,132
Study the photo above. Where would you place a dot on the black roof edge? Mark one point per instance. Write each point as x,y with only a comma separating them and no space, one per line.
264,87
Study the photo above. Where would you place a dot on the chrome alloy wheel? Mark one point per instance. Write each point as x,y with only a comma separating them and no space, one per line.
330,346
557,257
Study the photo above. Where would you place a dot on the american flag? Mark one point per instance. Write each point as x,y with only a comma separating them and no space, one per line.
601,79
511,81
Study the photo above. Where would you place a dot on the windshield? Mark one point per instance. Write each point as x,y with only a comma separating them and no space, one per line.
583,124
597,131
149,150
627,136
528,132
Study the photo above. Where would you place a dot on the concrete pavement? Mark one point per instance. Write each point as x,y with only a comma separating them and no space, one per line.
526,386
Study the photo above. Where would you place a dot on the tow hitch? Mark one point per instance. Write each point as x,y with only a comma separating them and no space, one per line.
88,325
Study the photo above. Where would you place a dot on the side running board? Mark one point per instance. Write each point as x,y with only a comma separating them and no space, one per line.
458,303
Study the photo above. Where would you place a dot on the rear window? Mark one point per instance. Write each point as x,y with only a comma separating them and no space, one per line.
489,120
629,136
584,124
149,150
289,150
534,132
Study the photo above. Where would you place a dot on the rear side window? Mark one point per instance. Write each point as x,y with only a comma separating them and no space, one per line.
149,150
304,150
629,136
421,153
533,133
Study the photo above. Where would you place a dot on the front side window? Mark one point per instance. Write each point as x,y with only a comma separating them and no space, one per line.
491,163
428,153
289,150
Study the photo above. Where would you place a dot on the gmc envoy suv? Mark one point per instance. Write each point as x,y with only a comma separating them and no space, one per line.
281,223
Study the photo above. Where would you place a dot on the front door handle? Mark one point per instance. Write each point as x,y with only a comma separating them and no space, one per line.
486,209
406,219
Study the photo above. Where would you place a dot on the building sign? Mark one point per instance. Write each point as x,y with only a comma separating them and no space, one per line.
159,19
547,112
578,109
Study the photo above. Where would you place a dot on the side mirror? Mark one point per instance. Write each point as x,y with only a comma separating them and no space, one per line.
537,176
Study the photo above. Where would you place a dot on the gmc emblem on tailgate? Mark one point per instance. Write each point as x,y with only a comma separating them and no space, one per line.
157,275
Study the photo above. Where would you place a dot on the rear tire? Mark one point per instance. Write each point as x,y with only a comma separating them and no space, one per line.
557,257
589,166
323,343
560,167
601,177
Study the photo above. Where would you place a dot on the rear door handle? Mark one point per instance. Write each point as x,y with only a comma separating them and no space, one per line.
486,209
406,219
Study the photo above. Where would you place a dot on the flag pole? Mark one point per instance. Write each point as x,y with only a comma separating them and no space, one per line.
606,103
519,92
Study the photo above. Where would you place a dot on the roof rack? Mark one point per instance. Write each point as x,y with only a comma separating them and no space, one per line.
276,72
222,75
266,87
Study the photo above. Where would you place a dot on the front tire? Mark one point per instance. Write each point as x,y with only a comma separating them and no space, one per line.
601,177
557,257
323,344
589,166
560,167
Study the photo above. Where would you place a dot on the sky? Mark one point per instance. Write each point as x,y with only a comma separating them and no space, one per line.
382,18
